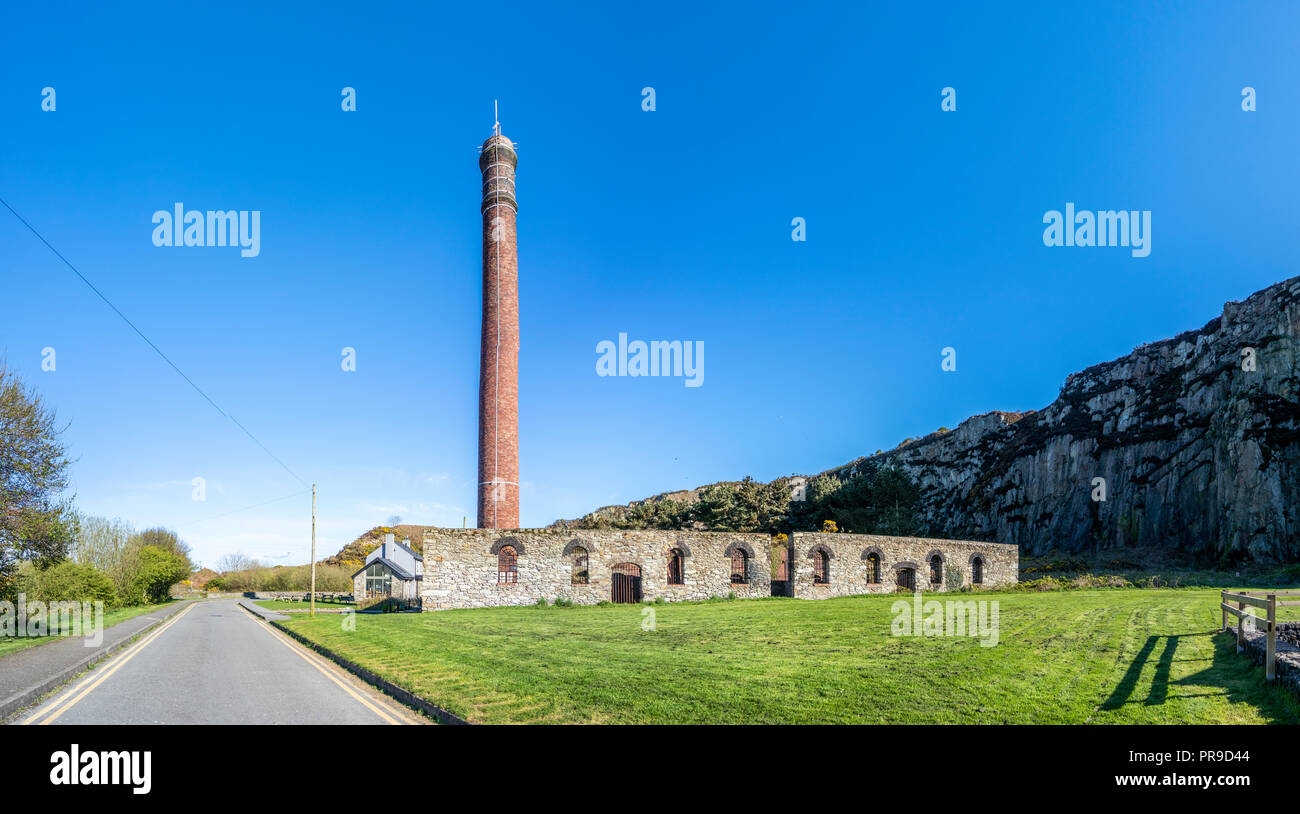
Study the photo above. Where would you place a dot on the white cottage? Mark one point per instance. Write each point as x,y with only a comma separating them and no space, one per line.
393,569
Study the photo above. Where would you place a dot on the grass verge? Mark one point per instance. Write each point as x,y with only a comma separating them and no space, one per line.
287,604
10,644
1089,656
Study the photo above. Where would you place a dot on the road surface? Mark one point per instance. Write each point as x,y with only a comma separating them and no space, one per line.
214,663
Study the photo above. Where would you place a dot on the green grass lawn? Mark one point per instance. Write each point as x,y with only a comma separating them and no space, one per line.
287,604
1099,656
13,644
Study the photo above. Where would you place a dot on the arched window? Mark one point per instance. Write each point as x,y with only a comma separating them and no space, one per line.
739,566
821,568
507,566
580,574
977,570
936,570
873,568
676,567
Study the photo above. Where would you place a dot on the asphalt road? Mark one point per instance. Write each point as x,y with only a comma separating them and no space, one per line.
214,663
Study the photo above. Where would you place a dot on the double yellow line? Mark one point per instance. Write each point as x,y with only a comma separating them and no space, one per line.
70,698
326,671
56,708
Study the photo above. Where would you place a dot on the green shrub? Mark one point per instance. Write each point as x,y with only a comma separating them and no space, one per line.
541,602
70,582
1072,564
953,578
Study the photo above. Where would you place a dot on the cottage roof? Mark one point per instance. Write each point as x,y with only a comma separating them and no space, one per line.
397,570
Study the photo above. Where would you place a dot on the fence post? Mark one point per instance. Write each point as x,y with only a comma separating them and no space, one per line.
1223,600
1241,627
1270,651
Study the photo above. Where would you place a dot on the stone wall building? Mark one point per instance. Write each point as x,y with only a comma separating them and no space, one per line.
474,568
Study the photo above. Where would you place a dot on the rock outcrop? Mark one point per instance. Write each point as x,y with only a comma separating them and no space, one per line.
1197,439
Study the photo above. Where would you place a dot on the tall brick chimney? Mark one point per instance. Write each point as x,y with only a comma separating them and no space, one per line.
498,392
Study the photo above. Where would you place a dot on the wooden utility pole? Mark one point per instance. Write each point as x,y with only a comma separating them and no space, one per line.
313,549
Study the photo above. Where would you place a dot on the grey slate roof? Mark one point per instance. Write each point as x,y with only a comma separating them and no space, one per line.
398,571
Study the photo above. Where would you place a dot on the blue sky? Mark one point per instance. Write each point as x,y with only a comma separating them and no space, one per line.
924,231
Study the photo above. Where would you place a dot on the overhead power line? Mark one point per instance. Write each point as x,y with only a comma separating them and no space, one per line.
150,343
246,508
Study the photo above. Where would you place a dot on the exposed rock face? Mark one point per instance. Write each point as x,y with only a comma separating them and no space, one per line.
1197,453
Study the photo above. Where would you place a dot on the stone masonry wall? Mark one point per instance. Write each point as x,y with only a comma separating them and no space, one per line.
460,565
848,562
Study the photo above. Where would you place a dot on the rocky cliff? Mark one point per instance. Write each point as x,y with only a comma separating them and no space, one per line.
1197,439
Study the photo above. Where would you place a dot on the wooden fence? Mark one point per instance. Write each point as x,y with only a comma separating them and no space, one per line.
1266,601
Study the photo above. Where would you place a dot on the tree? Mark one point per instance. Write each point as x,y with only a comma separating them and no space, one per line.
716,508
881,499
160,569
895,501
165,539
35,523
107,545
236,561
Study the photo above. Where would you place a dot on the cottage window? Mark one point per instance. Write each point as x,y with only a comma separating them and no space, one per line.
936,570
507,566
977,570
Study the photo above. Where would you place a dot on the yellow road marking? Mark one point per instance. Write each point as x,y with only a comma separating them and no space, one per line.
301,654
62,706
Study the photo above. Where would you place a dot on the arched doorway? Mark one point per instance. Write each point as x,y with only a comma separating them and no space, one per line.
781,584
907,579
625,586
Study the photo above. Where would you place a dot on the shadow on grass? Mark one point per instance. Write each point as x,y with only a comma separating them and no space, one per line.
1235,675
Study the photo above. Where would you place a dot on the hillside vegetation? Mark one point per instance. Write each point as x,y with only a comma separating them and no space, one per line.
354,553
874,499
